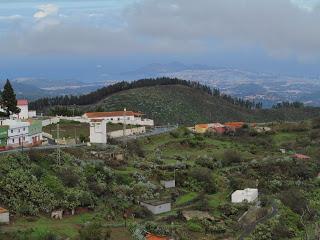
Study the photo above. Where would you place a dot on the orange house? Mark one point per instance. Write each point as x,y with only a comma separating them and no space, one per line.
201,128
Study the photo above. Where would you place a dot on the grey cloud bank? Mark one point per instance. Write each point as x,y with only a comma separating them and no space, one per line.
173,26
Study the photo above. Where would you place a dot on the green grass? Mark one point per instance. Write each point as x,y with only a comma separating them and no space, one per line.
216,199
68,226
186,198
281,138
68,129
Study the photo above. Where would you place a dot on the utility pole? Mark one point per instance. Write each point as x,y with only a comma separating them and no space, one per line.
75,135
58,149
124,126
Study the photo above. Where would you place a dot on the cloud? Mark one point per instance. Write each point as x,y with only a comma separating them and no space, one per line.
282,27
11,18
276,25
46,10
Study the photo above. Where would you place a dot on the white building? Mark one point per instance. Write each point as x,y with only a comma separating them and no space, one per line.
24,113
247,195
18,132
98,131
157,207
168,184
127,117
4,216
24,109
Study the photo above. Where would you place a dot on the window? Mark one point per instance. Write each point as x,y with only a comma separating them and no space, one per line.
11,130
24,129
13,140
118,119
111,119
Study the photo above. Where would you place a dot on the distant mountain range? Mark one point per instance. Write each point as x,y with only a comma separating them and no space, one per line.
261,87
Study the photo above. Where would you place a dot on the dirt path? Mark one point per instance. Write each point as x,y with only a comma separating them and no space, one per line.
253,226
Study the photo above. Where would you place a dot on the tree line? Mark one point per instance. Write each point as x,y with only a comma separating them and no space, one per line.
287,104
104,92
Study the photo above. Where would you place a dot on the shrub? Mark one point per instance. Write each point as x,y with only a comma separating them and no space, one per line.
194,226
68,176
94,231
134,147
204,175
295,200
231,157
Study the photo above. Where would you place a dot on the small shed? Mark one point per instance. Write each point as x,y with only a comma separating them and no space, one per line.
168,184
247,195
157,206
4,216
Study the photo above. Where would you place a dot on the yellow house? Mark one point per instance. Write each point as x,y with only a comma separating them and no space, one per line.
201,128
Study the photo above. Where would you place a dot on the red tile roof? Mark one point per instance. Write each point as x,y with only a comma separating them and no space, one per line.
202,125
2,210
111,114
22,102
235,124
301,156
154,237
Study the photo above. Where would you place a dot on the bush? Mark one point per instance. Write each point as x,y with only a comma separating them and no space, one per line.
295,200
68,176
204,175
231,157
134,147
94,231
194,226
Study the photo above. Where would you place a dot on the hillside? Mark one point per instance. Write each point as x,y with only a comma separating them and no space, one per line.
184,105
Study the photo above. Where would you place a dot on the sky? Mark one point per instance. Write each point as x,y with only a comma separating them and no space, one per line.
92,39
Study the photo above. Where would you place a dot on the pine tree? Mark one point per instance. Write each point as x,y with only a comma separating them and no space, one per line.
9,100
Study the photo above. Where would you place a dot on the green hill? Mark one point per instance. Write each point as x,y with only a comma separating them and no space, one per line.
184,105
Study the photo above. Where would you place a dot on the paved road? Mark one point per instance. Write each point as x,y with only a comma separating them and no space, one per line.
48,147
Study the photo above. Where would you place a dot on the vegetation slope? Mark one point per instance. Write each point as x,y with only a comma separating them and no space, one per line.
173,101
183,105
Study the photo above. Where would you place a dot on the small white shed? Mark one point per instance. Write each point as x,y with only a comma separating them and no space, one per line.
249,195
168,184
157,207
4,216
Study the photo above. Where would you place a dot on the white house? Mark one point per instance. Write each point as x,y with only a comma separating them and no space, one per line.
4,216
157,207
124,117
18,132
23,105
247,195
98,131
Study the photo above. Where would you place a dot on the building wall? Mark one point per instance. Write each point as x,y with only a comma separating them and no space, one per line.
50,121
163,208
24,112
242,195
4,217
32,114
18,135
169,184
128,132
98,132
